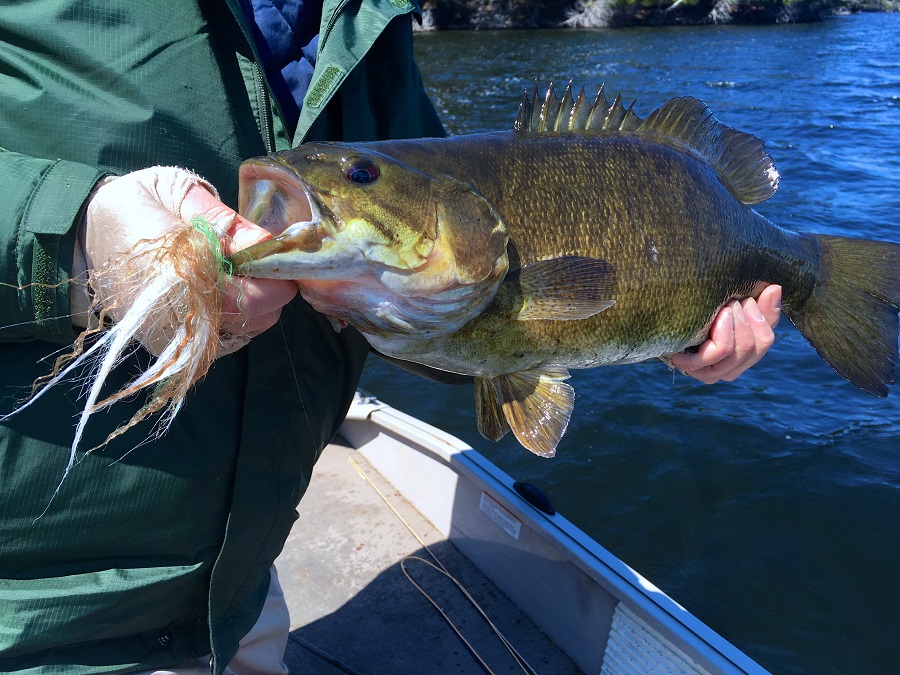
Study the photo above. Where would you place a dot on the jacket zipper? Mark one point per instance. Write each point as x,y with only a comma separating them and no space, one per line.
264,105
265,108
331,21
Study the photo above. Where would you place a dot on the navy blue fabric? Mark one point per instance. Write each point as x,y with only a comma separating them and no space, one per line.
286,34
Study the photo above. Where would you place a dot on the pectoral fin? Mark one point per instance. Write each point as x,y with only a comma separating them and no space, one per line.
565,288
536,405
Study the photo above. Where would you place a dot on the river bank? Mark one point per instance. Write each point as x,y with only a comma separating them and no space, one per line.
504,14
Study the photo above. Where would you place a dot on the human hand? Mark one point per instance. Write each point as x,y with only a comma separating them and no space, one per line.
250,306
741,335
131,213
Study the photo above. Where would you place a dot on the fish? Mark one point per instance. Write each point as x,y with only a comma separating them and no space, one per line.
584,236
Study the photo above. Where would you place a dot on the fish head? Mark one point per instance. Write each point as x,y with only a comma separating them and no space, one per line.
384,246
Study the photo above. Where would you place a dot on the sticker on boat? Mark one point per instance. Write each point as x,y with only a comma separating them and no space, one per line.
500,515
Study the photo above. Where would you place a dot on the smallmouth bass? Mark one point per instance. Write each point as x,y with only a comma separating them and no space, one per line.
586,236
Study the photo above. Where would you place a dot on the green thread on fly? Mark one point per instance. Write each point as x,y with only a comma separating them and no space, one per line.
206,228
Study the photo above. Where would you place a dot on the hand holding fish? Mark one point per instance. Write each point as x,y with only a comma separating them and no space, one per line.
741,335
129,217
152,246
249,306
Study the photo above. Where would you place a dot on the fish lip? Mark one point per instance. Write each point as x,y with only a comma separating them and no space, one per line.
320,215
303,235
271,174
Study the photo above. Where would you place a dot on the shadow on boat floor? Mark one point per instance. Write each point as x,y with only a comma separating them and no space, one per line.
354,610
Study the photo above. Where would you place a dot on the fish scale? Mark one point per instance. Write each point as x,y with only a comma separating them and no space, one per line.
694,267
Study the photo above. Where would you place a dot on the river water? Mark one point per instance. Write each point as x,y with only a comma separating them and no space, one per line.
769,507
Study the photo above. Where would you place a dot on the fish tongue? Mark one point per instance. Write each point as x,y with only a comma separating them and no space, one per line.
301,237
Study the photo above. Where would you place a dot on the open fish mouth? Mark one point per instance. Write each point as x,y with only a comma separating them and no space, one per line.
274,197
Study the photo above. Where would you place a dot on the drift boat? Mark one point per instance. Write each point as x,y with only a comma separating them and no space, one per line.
415,554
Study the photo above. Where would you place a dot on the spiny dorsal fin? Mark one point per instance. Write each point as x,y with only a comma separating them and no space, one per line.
549,113
740,159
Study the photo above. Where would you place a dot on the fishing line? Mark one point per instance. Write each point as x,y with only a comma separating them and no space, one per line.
325,656
290,356
36,284
439,567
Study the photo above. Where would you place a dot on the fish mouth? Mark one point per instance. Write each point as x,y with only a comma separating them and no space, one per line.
274,197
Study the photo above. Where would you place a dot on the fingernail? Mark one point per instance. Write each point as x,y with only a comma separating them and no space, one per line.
754,312
728,318
738,312
223,224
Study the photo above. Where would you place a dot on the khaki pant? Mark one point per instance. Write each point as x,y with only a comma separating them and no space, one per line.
261,651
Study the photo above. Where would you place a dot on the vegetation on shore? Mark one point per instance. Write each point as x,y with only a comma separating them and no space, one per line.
498,14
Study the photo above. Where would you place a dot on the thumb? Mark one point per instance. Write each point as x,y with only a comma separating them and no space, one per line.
251,306
238,232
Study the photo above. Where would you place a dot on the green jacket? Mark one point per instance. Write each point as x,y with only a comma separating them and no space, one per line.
151,554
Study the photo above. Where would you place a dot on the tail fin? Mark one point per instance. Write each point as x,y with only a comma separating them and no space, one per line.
851,317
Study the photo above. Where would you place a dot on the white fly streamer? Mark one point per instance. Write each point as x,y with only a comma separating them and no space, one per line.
171,288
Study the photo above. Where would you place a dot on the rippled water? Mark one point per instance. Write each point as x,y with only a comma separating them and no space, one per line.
769,507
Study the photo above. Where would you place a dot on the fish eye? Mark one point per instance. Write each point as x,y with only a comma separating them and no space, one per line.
361,169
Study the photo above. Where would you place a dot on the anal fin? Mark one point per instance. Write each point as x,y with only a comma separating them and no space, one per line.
535,404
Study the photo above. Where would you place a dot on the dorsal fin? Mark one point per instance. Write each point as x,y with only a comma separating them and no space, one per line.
740,159
549,113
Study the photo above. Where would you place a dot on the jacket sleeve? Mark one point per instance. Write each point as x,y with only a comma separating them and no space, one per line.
40,204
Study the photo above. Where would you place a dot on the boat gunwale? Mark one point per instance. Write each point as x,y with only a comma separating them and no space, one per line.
667,617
